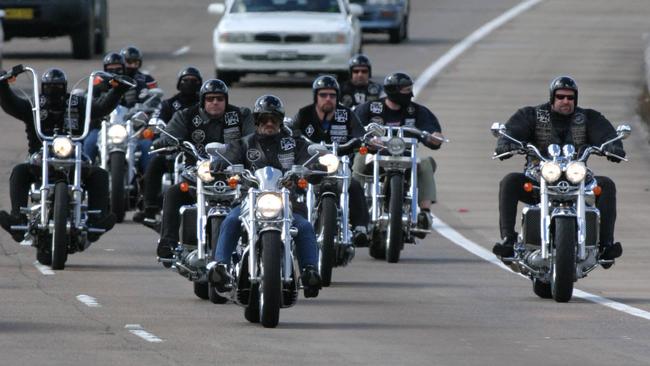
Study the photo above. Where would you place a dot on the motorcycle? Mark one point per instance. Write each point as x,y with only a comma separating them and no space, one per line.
558,244
201,221
266,278
118,143
392,191
57,215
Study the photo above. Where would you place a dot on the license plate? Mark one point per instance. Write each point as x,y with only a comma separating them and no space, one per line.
19,13
282,55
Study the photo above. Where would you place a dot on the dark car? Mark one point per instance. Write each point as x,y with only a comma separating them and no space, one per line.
385,16
85,21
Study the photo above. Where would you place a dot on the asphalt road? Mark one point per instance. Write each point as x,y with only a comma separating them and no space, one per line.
440,304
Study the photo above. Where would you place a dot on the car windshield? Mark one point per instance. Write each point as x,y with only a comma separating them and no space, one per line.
260,6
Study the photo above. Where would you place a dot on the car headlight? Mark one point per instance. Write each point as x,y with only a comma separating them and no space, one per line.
116,134
576,172
551,171
396,146
269,205
330,38
62,147
330,161
233,37
203,171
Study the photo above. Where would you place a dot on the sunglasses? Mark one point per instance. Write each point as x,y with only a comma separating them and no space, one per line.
214,98
327,95
359,71
262,120
564,96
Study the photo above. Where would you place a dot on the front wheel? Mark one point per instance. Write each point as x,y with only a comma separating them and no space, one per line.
564,261
394,236
60,237
201,290
542,289
117,167
327,235
270,288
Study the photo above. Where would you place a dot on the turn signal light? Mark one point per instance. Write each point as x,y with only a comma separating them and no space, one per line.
232,182
597,191
302,183
97,80
147,134
528,187
363,150
185,187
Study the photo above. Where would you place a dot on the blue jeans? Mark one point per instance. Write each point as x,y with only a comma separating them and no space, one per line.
306,247
91,150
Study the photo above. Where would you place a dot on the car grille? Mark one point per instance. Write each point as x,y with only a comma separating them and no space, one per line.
282,59
282,38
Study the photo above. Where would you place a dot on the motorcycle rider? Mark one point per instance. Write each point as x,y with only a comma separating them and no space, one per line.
359,89
397,109
327,120
214,119
132,64
270,145
558,121
55,115
188,85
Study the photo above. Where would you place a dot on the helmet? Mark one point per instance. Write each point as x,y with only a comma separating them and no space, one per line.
396,81
131,53
360,60
112,58
190,70
325,82
268,104
54,77
212,86
563,82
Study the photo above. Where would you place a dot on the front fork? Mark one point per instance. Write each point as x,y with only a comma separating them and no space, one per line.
547,218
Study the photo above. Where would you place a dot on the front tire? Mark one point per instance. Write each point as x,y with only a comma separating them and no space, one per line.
60,237
117,169
394,236
542,289
201,290
270,288
564,261
327,233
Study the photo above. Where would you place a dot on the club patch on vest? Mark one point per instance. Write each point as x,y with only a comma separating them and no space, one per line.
409,122
309,130
376,107
340,115
378,120
198,136
197,121
543,116
287,143
347,100
231,118
74,101
176,105
253,155
44,113
360,98
410,109
286,160
579,118
373,89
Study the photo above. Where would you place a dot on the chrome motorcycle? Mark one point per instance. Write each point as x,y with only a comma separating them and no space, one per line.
558,244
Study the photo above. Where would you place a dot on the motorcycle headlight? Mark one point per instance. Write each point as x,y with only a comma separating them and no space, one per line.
396,146
330,161
269,205
576,172
62,147
551,172
116,134
203,171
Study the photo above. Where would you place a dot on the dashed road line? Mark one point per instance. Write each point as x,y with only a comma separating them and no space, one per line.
137,330
45,270
181,51
88,301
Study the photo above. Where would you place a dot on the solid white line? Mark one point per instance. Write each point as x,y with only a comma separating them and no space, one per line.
88,301
140,332
447,231
47,271
436,67
181,51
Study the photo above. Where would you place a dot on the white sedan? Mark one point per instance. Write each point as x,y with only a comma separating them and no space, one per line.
268,36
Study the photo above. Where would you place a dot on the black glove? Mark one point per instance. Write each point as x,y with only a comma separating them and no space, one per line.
505,148
159,144
616,150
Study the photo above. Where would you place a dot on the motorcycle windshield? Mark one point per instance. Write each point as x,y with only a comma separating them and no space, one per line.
269,178
118,114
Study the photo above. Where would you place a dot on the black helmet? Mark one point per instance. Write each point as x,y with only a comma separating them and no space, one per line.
563,82
360,60
112,58
190,70
268,104
131,53
54,77
396,81
325,82
212,86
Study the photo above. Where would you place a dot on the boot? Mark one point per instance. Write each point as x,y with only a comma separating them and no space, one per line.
165,250
219,277
505,248
360,236
8,220
311,281
610,251
105,222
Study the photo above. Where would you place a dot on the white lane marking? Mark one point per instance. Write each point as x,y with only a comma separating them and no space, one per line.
436,67
181,51
140,332
88,301
45,270
447,231
109,250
